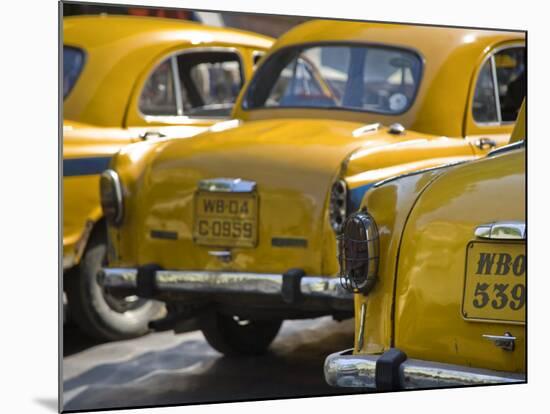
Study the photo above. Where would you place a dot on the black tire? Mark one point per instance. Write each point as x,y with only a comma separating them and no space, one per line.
232,336
97,313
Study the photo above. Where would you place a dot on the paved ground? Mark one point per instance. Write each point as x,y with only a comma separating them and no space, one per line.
163,368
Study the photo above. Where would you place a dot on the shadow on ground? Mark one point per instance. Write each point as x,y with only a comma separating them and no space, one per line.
192,372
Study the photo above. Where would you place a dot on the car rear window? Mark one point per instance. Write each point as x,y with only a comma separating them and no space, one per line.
357,77
73,62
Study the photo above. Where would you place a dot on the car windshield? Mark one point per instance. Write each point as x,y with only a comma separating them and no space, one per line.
366,78
73,61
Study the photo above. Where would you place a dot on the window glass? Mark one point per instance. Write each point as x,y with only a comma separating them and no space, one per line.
511,83
158,96
256,57
210,82
511,74
484,105
218,85
372,79
73,61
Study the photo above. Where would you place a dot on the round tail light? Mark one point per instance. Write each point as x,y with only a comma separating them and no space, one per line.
358,253
110,191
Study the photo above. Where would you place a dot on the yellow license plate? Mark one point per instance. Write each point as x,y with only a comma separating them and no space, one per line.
226,219
494,285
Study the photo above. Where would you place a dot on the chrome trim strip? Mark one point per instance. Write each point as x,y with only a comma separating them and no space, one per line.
218,282
506,148
125,278
177,85
361,333
425,374
227,185
365,129
495,88
190,281
324,287
342,369
115,178
502,230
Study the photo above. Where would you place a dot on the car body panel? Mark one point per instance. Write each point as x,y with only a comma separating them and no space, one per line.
270,153
100,112
432,260
389,204
417,304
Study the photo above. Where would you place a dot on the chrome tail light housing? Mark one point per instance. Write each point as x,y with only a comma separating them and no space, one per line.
112,203
358,253
338,205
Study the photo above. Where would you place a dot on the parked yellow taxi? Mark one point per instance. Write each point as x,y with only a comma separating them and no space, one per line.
437,262
128,79
238,225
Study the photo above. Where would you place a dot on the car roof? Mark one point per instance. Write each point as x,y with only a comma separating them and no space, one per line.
424,39
451,59
119,49
90,31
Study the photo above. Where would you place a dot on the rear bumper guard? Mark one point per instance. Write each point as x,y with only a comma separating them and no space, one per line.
343,369
291,286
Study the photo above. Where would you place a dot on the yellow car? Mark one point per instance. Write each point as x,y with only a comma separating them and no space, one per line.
437,262
129,79
239,225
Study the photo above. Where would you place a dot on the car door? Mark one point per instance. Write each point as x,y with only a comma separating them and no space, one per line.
498,90
186,92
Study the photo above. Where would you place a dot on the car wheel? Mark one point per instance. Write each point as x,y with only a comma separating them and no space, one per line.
98,313
233,336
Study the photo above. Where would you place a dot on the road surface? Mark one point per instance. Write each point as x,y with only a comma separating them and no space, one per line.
167,369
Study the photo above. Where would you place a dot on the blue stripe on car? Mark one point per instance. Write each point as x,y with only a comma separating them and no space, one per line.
85,166
356,196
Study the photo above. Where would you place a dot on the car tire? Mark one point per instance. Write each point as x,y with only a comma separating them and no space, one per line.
99,314
232,336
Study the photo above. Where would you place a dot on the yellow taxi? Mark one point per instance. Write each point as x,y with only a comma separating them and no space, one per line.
437,262
238,225
129,79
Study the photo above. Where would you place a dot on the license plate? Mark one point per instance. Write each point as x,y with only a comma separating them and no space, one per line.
494,285
226,219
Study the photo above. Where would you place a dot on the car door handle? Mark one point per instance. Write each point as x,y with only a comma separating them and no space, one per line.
151,134
502,230
506,341
485,143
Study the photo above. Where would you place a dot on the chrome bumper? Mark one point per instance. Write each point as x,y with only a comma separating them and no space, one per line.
342,369
320,287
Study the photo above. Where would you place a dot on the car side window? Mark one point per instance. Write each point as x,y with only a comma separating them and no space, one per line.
500,87
511,74
158,96
256,57
210,83
194,84
485,105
